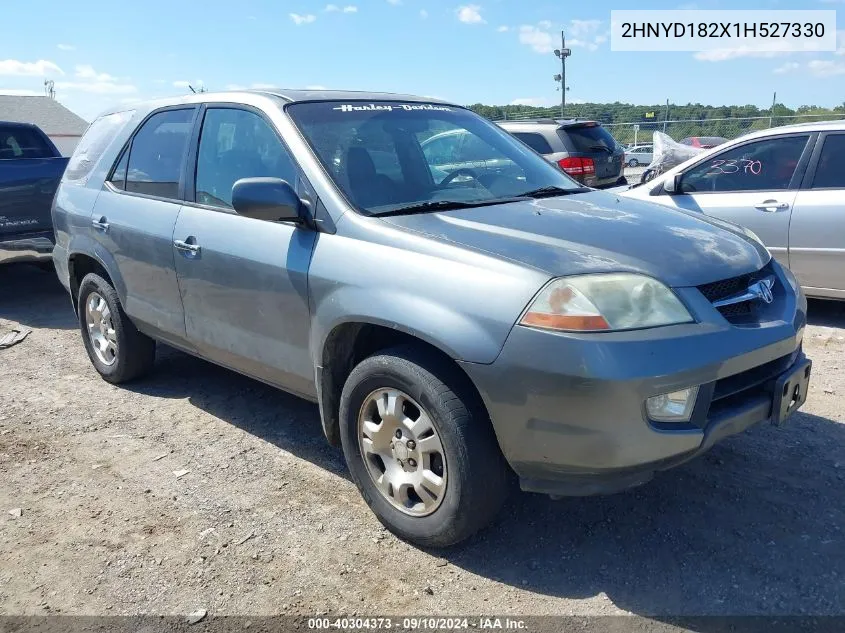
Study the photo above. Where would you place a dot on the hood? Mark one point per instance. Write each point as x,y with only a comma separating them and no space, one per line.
599,232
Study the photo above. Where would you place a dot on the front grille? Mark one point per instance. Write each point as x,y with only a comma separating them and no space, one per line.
738,313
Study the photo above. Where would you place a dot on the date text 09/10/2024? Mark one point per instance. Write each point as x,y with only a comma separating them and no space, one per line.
416,623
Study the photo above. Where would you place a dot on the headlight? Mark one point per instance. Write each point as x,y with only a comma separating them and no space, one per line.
604,302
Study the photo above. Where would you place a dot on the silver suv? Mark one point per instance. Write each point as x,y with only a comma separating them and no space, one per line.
461,321
583,149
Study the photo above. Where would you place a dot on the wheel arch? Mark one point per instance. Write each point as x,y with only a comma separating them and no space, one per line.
350,342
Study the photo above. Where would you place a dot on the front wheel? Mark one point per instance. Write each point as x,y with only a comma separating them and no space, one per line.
420,449
633,162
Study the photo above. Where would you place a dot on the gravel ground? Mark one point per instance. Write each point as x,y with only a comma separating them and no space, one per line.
197,488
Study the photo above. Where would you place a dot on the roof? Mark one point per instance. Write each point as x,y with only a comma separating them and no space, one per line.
291,96
546,121
48,114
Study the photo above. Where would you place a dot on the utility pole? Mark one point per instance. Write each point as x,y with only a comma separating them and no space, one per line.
563,53
772,111
666,116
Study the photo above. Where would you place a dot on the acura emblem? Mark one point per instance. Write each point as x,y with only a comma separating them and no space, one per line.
763,289
759,290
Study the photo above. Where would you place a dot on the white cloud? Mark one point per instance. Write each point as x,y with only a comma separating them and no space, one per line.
826,68
227,86
537,102
331,8
86,71
302,19
580,28
20,92
540,41
470,14
350,8
316,87
41,68
261,86
788,67
503,29
66,47
181,84
725,54
579,34
394,2
423,14
840,42
96,87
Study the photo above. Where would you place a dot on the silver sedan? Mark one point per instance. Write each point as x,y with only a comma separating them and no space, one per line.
786,184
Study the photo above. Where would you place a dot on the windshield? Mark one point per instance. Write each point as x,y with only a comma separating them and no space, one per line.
389,155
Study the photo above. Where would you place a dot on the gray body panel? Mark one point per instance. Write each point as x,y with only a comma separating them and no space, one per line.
263,298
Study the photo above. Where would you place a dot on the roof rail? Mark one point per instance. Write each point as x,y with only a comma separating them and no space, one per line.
547,120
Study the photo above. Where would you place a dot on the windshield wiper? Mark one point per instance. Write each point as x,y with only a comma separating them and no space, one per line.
604,147
552,191
444,205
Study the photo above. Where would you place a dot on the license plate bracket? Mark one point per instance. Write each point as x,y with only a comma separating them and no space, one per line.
791,391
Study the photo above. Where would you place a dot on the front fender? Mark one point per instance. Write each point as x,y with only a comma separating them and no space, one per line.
454,333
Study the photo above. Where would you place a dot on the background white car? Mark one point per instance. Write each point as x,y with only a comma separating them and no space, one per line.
639,155
785,184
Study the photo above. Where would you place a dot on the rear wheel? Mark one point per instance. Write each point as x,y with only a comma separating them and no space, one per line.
420,449
118,351
633,162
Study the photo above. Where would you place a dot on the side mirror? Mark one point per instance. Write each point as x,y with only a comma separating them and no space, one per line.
672,185
271,199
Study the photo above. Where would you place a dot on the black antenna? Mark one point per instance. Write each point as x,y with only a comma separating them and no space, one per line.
192,89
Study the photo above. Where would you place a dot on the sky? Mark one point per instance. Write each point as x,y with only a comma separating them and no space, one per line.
101,53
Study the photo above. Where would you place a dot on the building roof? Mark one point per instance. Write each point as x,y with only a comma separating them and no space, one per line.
48,114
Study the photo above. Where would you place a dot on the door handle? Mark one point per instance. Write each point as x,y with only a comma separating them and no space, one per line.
771,206
182,245
100,224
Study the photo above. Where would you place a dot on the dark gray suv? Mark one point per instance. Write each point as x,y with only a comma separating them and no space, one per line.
461,324
583,149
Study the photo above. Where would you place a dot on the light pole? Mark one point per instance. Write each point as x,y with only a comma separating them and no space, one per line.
562,53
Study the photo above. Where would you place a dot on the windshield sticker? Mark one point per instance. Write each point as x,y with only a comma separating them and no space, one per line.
404,107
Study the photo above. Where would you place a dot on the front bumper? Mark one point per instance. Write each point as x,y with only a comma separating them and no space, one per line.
568,409
29,247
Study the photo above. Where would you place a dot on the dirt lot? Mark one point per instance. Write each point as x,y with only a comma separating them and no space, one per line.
266,521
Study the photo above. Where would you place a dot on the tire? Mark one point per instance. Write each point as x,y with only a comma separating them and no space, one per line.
633,163
477,478
133,354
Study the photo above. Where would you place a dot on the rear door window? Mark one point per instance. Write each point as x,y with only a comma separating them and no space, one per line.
534,141
830,172
158,152
18,141
588,139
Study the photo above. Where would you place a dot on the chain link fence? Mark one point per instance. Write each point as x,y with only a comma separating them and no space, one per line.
725,128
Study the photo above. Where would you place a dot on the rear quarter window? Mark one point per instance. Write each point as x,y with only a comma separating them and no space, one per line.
534,141
93,143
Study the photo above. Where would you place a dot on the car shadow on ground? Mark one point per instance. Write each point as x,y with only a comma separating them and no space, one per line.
826,313
286,421
753,527
34,297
